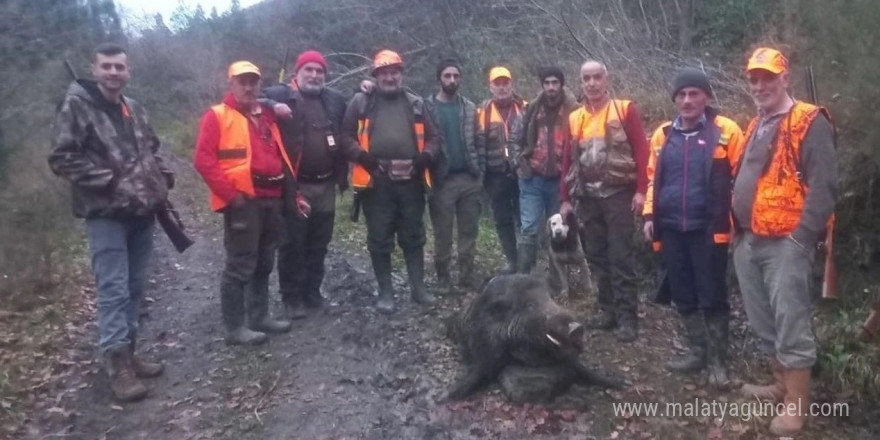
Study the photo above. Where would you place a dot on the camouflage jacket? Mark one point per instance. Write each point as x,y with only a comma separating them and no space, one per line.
111,162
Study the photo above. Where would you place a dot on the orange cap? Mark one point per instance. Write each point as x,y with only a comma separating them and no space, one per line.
767,59
386,58
499,72
242,67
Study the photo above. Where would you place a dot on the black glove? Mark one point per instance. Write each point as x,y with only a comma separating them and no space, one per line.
423,161
366,160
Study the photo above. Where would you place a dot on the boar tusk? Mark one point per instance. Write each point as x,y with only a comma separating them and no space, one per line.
553,340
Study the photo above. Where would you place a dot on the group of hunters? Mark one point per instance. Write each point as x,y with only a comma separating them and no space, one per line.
274,159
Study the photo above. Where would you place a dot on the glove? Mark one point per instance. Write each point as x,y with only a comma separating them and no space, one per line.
366,160
423,161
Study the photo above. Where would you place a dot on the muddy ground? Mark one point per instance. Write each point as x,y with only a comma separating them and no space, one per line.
350,373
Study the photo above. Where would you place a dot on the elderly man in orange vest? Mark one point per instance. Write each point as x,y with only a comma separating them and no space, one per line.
784,194
393,141
240,156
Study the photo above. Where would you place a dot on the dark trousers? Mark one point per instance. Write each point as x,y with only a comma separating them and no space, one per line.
697,271
251,236
304,247
394,208
607,231
503,191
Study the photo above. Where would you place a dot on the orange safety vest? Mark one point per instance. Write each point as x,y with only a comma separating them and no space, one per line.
360,177
490,115
234,151
781,190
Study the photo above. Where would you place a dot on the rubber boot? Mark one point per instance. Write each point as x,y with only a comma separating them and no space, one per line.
142,368
526,254
415,270
123,380
797,403
444,280
774,392
295,310
232,305
604,319
627,327
508,246
718,328
382,270
259,319
695,358
466,275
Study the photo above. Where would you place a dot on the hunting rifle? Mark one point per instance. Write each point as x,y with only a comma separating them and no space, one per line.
166,215
829,278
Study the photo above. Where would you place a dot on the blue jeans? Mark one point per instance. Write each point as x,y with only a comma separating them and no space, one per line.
538,200
120,251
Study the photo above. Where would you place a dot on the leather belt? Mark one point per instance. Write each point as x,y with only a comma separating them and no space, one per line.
315,178
268,182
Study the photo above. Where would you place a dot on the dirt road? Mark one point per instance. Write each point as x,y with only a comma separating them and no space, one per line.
350,373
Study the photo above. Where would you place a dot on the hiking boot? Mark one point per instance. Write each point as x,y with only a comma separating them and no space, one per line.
603,320
797,397
695,358
314,299
142,368
467,279
123,380
382,270
774,392
245,336
271,326
718,329
415,270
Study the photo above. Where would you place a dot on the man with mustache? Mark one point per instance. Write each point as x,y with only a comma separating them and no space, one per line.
496,118
687,209
458,188
540,136
240,155
605,182
783,198
311,131
393,141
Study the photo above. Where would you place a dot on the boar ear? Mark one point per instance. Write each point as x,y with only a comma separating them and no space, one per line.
575,329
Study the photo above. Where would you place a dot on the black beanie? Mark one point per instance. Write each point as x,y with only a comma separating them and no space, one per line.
449,62
546,72
690,77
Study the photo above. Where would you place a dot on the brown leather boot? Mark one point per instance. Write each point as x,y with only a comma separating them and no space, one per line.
141,367
774,392
123,381
797,403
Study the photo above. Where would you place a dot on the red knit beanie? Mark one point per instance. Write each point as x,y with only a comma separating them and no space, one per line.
310,56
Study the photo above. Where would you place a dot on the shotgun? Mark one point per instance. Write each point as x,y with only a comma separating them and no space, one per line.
829,278
166,215
283,72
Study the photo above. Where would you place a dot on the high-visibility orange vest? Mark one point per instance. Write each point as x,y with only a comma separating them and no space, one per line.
605,132
781,191
360,177
234,151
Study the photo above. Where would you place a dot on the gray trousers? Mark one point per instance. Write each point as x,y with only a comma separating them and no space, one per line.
774,277
456,202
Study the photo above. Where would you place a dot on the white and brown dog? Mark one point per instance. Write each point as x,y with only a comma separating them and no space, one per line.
565,251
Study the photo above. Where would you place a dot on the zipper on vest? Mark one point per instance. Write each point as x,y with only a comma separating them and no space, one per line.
685,185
